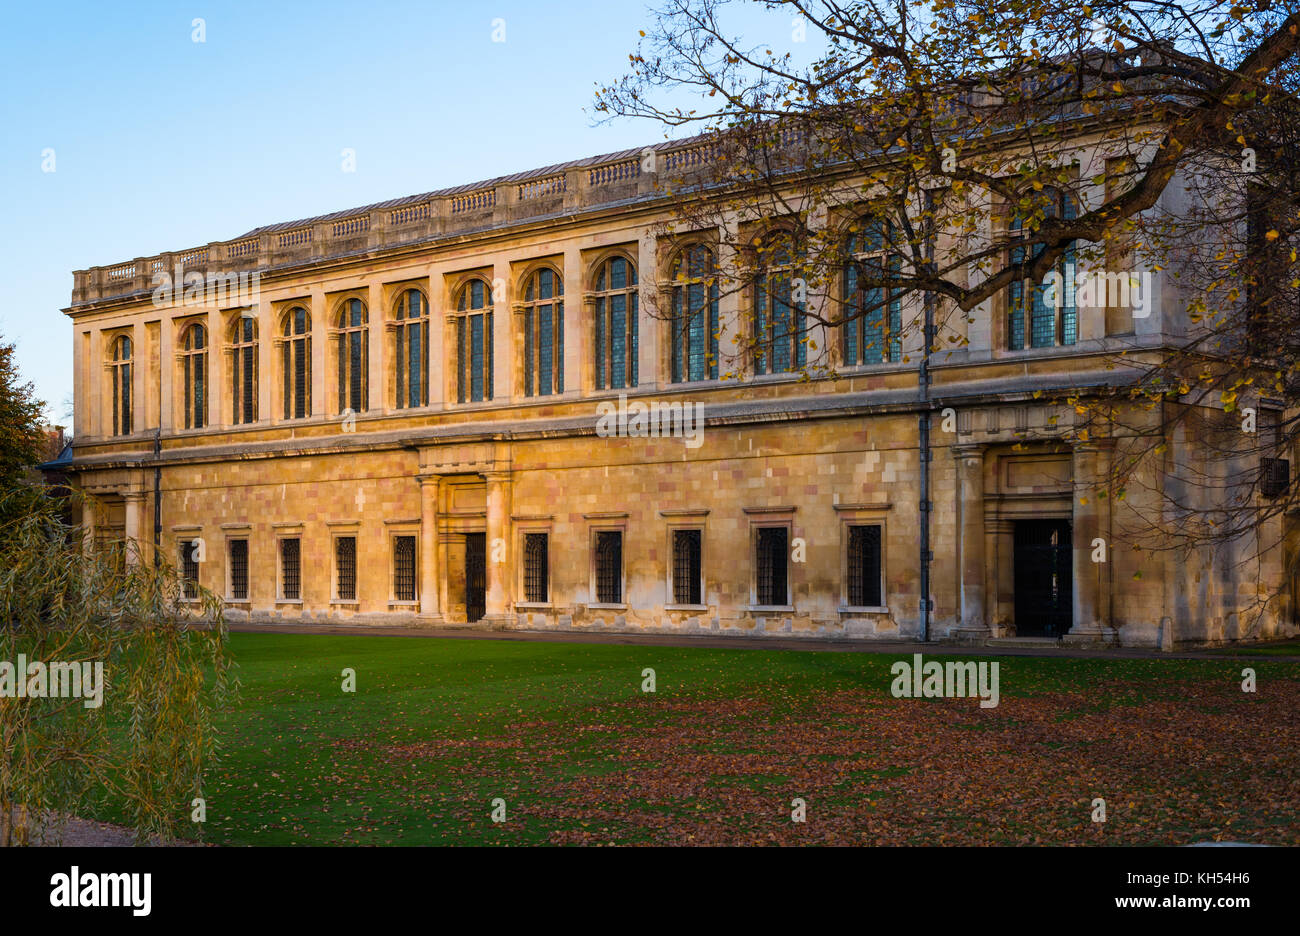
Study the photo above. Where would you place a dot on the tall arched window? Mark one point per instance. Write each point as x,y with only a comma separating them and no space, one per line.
1053,315
119,372
474,342
411,342
873,314
616,324
194,374
352,344
780,337
243,370
543,327
694,315
295,347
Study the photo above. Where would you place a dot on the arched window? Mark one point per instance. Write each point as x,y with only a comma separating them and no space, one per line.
616,324
1053,315
694,315
873,314
780,337
474,342
194,374
119,371
243,370
543,333
352,344
411,342
296,363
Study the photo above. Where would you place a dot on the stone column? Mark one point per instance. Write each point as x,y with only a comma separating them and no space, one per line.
320,340
429,610
135,526
970,486
87,522
1090,522
649,309
377,335
587,326
577,333
498,545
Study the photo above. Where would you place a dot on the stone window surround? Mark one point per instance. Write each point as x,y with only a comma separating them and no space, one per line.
612,522
851,515
770,517
686,520
282,532
394,528
339,529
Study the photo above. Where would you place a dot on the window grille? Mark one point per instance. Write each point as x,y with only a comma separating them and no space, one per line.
686,567
864,567
239,569
290,578
772,556
345,559
404,568
189,569
536,567
609,567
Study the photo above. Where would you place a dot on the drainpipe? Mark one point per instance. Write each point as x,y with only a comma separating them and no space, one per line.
157,498
923,436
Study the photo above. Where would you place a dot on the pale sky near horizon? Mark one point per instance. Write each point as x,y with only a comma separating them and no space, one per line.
163,143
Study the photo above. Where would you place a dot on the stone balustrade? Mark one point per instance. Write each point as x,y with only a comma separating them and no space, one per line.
584,184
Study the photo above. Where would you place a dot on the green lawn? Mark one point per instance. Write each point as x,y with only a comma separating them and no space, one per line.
562,732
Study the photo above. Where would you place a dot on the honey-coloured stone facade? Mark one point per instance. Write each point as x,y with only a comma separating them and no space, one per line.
812,457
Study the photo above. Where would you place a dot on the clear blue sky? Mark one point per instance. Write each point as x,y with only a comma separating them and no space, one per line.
162,143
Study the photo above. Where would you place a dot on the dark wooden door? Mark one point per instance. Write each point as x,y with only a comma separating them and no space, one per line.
475,576
1044,572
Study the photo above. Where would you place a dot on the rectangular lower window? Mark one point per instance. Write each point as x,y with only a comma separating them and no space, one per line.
686,567
189,568
536,567
773,552
864,567
345,568
290,569
239,569
609,567
404,568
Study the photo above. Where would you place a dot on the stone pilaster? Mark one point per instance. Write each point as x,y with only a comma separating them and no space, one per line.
498,546
970,481
430,613
1090,523
136,541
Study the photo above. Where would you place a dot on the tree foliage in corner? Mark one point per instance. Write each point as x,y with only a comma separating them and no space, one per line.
21,438
961,154
147,736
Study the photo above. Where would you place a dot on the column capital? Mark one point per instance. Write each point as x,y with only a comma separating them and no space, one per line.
430,478
497,475
968,451
1092,446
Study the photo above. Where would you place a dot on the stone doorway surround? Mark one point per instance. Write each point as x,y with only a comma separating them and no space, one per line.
996,486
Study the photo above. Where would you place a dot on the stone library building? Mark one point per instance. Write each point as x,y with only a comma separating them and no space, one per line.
501,404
